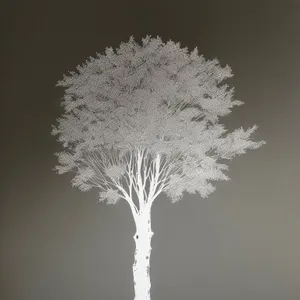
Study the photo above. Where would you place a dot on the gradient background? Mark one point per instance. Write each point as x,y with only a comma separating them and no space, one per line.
242,243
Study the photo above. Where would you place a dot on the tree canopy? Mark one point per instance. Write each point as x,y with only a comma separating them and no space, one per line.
155,105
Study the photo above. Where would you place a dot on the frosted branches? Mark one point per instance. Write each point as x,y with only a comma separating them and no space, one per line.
137,173
146,176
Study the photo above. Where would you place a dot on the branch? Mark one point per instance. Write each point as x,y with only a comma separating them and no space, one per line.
154,181
125,196
140,185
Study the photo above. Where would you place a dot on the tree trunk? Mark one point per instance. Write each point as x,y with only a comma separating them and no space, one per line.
141,266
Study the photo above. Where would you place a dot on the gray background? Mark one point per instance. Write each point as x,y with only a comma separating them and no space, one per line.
243,242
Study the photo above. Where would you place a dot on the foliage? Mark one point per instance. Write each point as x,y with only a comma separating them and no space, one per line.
112,196
155,97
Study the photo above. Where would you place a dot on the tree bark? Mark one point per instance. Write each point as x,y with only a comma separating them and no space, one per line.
141,265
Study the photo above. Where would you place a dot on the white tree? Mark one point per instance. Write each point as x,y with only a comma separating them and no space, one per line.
144,120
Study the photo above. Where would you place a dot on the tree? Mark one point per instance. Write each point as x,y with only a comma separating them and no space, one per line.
144,120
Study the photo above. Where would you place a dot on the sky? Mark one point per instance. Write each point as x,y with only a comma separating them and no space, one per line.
242,242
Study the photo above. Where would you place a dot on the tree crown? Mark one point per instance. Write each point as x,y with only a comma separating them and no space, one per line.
154,106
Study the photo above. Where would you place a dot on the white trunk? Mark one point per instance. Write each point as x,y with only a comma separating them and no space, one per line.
141,266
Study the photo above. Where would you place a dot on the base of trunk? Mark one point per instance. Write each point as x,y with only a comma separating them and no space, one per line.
141,266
